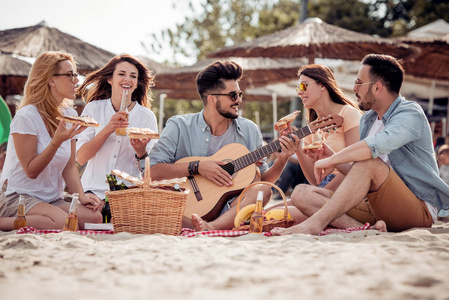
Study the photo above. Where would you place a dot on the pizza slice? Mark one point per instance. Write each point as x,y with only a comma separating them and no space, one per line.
318,140
141,133
283,123
83,120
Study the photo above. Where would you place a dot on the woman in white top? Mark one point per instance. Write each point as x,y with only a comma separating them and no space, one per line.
100,147
41,155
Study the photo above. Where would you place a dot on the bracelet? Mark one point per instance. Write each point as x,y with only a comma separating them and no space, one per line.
141,158
193,167
51,142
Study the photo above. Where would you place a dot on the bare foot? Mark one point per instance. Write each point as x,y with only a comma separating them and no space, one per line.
199,224
300,228
380,226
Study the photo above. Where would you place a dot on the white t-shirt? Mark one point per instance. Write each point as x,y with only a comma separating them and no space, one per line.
48,185
116,152
377,127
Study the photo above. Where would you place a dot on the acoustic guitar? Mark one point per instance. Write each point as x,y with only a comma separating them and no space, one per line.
206,199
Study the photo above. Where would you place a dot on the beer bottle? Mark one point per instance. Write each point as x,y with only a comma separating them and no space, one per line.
71,222
106,212
123,107
111,183
256,223
122,186
20,220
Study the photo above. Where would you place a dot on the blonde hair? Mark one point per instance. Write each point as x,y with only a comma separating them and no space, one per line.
37,90
97,87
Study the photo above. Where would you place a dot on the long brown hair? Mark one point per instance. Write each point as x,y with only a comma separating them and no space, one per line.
101,89
323,75
37,90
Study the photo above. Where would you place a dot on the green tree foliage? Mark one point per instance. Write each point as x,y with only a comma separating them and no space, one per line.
349,14
402,16
219,23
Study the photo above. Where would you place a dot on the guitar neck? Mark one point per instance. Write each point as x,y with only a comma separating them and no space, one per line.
266,150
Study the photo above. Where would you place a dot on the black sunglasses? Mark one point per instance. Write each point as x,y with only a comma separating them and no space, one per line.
73,76
234,95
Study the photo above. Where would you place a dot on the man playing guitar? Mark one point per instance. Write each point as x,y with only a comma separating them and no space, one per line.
203,134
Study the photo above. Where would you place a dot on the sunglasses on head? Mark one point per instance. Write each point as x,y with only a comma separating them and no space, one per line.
302,87
234,95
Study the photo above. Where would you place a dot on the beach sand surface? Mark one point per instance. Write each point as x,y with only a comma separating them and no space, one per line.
358,265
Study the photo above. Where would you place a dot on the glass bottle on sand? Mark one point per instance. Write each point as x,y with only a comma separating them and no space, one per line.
71,222
123,107
20,221
256,223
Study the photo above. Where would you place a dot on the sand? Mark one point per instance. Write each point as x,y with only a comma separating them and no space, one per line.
358,265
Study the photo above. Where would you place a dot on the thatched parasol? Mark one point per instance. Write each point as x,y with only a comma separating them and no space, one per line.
181,83
433,62
13,75
316,39
32,41
154,66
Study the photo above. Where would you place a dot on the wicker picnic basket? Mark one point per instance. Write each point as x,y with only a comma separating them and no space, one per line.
147,209
268,224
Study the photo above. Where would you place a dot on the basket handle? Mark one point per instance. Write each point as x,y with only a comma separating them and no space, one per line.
270,184
147,176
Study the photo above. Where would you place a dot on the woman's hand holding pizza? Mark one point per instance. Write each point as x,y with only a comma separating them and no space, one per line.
139,146
63,133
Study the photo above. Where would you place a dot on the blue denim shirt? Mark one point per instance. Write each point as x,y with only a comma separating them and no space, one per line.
407,139
189,135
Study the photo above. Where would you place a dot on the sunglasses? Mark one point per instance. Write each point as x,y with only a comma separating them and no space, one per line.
234,95
73,76
358,82
302,87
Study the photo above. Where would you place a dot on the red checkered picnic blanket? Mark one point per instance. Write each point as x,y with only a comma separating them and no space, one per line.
186,232
225,233
30,229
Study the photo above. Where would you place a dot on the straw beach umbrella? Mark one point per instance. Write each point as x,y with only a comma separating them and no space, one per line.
258,72
32,41
433,62
13,75
316,39
154,66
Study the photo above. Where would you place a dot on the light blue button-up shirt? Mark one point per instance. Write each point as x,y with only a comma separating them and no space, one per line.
189,135
407,139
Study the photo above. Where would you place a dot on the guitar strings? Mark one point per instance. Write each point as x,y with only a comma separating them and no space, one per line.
264,151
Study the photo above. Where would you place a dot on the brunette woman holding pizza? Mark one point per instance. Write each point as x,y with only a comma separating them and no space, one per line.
41,155
322,97
123,77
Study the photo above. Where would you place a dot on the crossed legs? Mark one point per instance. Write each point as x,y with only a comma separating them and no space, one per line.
324,209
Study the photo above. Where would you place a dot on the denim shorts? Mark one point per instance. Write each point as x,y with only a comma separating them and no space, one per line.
326,180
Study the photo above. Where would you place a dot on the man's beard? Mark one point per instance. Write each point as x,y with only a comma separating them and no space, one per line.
367,102
226,114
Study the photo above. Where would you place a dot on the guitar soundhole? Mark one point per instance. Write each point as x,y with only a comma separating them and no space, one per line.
229,167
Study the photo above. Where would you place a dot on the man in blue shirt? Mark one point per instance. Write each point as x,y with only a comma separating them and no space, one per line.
393,165
213,136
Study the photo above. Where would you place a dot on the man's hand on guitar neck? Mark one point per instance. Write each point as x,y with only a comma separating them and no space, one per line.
289,145
213,171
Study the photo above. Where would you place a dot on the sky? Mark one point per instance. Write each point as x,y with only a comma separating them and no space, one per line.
114,25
